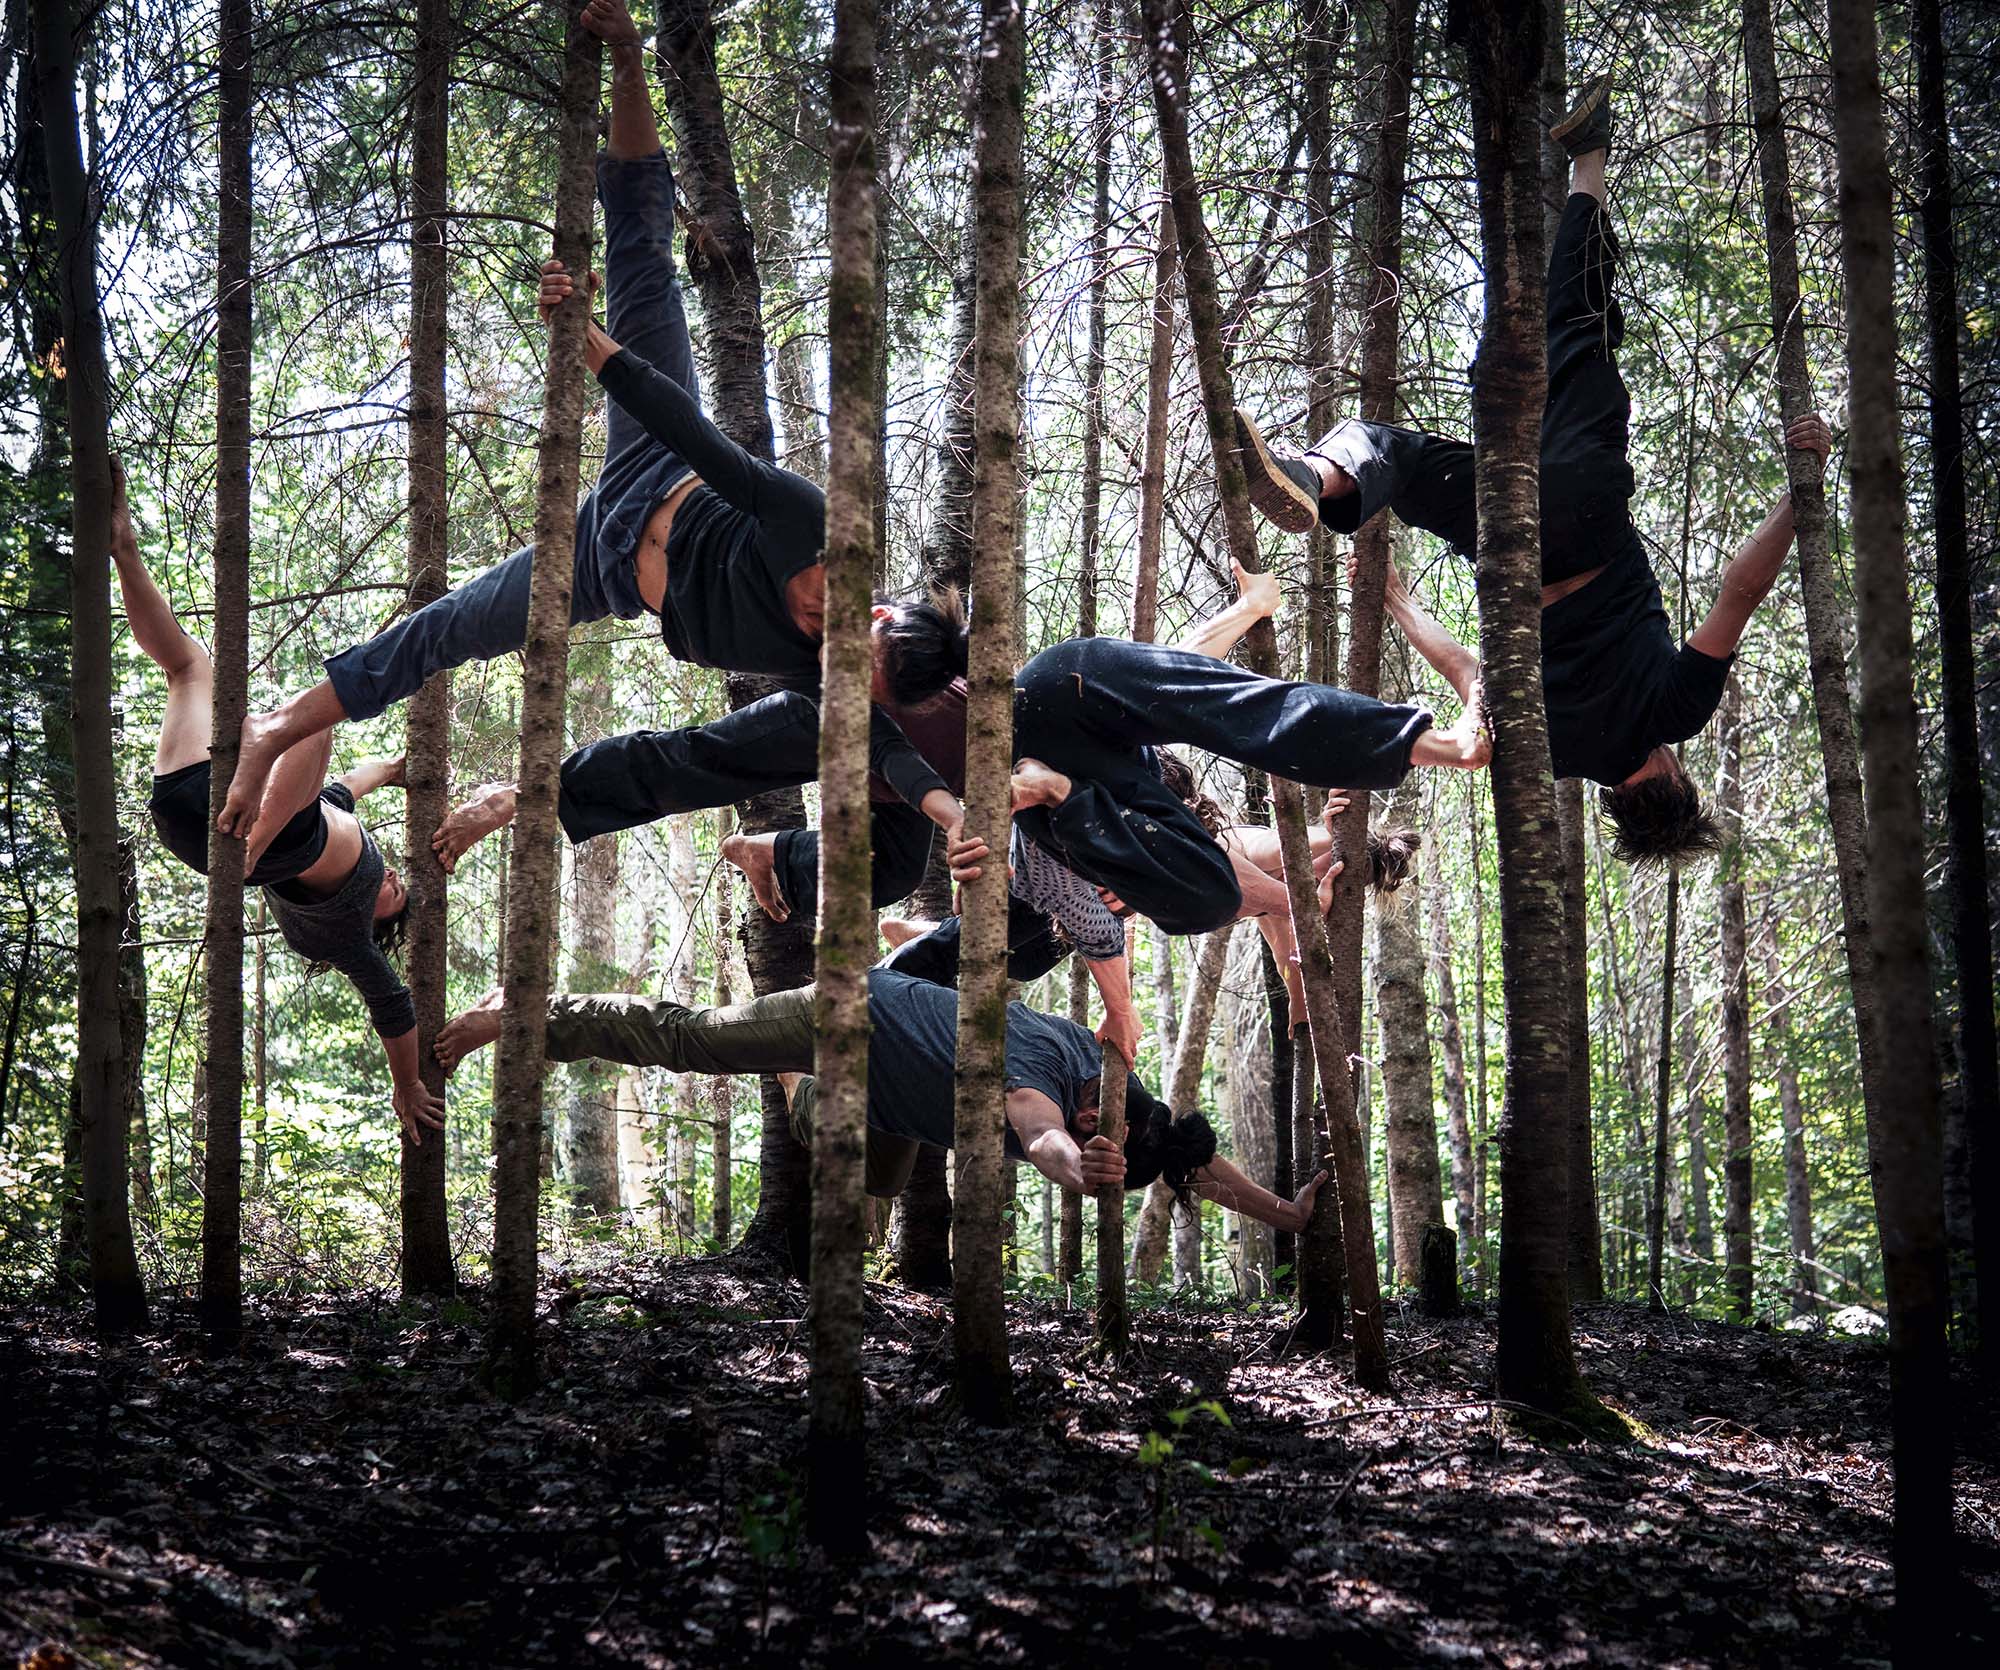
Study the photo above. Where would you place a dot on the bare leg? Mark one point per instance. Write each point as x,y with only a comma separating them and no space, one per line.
757,857
186,728
1586,174
1334,482
635,131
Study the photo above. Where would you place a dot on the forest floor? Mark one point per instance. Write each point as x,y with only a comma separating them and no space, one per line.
344,1493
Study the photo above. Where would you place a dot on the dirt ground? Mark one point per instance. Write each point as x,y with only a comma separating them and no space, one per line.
344,1493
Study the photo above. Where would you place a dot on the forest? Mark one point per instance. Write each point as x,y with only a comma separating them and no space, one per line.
1282,952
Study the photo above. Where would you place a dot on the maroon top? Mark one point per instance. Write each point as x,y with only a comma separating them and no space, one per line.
936,729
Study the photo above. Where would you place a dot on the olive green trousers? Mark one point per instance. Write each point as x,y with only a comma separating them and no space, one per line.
771,1034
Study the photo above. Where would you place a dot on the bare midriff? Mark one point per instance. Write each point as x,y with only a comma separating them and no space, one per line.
649,562
1576,582
328,873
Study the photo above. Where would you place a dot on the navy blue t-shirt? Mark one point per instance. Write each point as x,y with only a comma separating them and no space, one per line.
915,1045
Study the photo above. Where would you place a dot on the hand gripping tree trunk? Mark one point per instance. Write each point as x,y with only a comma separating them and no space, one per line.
116,1291
1165,39
1965,804
979,1319
427,1264
1826,653
1536,1362
222,1187
520,1059
1905,1141
836,1479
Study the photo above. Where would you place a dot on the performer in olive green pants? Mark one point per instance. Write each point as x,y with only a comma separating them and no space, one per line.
771,1034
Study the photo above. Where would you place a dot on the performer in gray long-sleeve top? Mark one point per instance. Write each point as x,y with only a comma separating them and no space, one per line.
336,901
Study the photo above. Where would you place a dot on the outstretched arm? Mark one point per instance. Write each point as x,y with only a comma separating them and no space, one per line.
1754,570
415,1105
1222,1183
1456,664
1256,599
370,775
294,785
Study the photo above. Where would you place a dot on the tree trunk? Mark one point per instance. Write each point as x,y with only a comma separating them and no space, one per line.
1156,1229
1737,1257
132,1030
836,1458
1069,1257
721,1088
1798,1178
979,1320
590,1148
1586,1255
1536,1361
1278,1005
222,1181
1091,490
1153,463
1247,1038
1904,1136
1451,1041
947,552
427,739
1416,1189
1656,1298
1818,581
260,1057
520,1058
720,251
1326,376
1965,803
1481,1146
1165,23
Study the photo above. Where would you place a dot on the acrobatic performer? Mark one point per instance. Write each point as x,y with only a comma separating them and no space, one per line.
1090,714
723,547
1618,689
1053,1067
334,899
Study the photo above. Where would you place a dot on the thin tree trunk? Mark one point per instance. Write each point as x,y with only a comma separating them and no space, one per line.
1153,463
520,1057
1325,375
1586,1256
1737,1255
836,1458
1091,489
1278,1005
1656,1298
1247,1039
1536,1360
260,1059
1155,1231
1804,1285
1452,1042
979,1320
1165,22
1481,1148
1070,1255
222,1183
1415,1183
590,1147
1826,651
1904,1135
1965,803
132,1030
427,1264
721,1088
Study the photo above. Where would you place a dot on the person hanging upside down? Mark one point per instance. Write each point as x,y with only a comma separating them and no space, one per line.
723,547
1618,689
333,897
1090,713
1053,1067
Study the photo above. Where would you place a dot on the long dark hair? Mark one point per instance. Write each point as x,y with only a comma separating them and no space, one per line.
1178,775
1157,1144
924,644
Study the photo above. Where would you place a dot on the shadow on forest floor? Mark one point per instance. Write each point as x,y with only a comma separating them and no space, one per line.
344,1493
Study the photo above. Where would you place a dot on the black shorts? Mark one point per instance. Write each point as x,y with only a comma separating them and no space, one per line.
180,814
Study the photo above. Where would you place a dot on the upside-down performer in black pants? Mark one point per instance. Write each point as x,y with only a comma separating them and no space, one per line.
1619,689
1089,715
724,548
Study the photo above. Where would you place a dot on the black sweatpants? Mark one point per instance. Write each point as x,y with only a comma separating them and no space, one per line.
902,838
1586,475
1033,948
1095,708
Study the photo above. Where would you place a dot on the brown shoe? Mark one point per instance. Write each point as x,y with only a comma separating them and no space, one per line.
1587,127
1285,489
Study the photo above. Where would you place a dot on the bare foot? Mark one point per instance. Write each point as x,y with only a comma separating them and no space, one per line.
899,931
789,1083
263,740
757,857
1475,742
1036,784
491,807
473,1030
611,22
